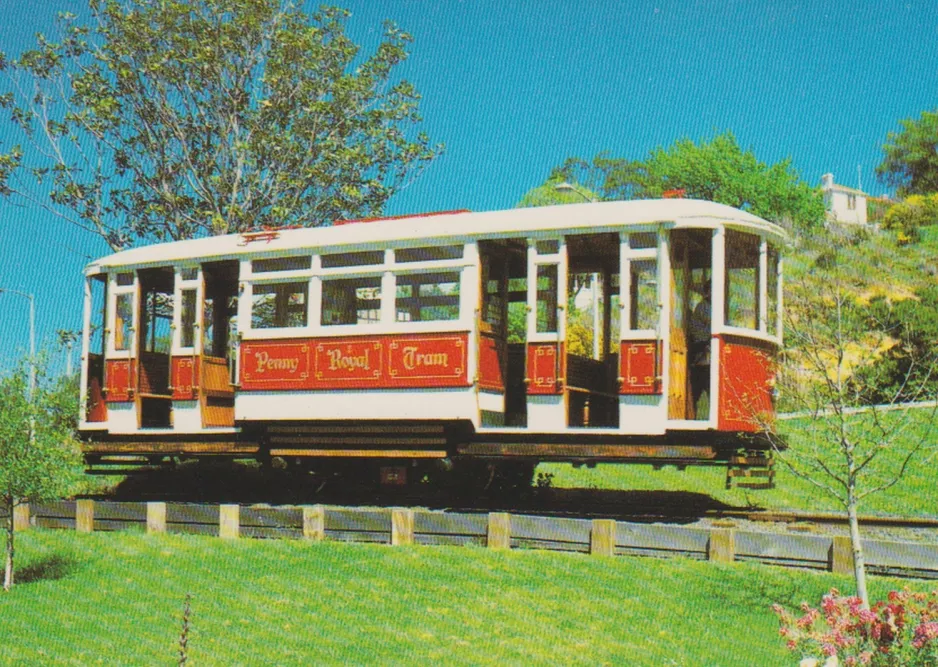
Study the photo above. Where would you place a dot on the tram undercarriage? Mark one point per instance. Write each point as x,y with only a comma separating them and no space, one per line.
399,454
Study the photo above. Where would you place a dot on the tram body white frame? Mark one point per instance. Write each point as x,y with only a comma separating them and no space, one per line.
645,415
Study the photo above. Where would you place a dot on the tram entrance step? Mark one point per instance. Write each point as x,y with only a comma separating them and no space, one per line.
751,472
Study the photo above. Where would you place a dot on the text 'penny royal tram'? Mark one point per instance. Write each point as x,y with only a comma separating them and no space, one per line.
630,332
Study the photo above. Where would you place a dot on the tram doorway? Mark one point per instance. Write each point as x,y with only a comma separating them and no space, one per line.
690,324
502,332
592,330
219,343
154,342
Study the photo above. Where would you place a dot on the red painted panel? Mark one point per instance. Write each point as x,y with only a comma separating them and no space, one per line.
275,365
420,361
545,373
747,379
121,378
96,410
185,378
360,362
491,353
95,407
351,363
638,367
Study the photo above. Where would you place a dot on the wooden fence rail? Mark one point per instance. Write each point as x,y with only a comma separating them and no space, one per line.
497,530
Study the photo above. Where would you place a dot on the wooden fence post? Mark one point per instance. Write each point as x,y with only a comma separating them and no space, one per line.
229,521
21,516
314,523
402,527
499,535
722,545
603,537
156,517
841,555
84,515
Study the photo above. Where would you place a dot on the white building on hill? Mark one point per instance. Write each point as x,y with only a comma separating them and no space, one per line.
843,204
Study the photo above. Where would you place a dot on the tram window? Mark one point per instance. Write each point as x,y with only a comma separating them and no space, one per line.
425,297
643,240
493,292
351,301
493,305
280,305
517,309
742,280
429,254
123,317
643,294
98,316
546,298
547,247
282,264
125,279
189,273
772,301
157,321
353,259
187,319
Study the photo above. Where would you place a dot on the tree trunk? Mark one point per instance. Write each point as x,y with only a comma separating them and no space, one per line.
8,570
859,565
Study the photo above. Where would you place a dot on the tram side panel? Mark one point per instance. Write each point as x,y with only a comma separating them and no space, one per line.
388,377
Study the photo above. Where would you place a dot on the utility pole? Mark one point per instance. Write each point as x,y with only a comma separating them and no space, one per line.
32,336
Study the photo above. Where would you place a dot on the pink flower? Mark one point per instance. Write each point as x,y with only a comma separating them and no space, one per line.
924,633
829,650
867,616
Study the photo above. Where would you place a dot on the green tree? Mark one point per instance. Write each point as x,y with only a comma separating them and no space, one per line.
165,119
556,190
856,438
39,456
910,162
716,170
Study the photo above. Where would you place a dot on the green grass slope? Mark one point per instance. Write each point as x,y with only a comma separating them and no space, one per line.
913,495
118,598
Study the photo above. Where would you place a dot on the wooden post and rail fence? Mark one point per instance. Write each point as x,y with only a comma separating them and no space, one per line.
495,530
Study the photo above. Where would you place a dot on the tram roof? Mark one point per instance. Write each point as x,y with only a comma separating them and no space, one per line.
452,227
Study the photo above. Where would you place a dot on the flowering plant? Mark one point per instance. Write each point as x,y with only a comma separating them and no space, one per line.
899,631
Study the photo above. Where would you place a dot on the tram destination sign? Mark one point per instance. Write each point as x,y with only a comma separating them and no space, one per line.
360,362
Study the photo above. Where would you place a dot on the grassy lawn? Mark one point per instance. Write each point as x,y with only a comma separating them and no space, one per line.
914,495
117,599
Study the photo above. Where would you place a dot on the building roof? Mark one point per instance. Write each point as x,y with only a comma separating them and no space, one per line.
850,191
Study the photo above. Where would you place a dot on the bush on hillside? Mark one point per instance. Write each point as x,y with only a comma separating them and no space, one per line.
908,370
909,216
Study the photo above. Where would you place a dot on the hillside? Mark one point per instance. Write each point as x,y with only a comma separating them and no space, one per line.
886,294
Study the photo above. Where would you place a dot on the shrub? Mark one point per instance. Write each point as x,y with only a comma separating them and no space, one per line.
909,216
901,631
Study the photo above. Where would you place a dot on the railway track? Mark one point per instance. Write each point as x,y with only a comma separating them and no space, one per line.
676,507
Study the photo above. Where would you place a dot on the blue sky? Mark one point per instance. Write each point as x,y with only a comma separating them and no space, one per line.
513,87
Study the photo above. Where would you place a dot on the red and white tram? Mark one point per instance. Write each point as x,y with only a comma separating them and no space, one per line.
641,331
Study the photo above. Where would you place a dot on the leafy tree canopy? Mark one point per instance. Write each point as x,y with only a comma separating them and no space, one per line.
716,170
910,163
165,119
555,190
